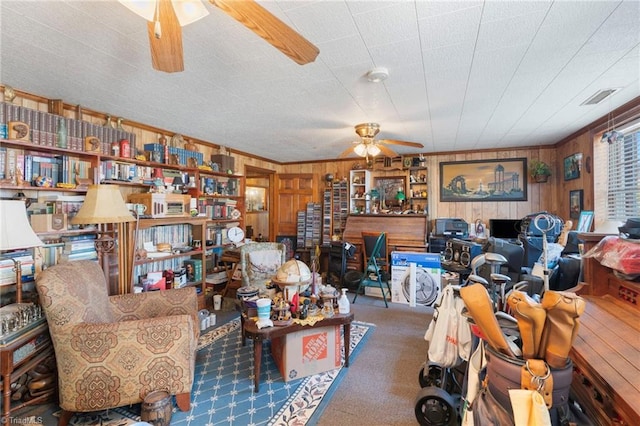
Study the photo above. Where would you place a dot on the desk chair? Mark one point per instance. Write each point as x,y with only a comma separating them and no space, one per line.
376,261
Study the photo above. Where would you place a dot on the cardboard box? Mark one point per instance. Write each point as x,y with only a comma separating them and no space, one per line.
226,162
422,287
49,222
307,352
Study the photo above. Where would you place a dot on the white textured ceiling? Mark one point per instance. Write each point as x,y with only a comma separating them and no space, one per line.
464,75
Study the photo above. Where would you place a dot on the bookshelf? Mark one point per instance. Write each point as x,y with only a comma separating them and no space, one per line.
180,233
359,186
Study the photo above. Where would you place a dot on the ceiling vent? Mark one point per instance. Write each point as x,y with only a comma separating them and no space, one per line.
600,96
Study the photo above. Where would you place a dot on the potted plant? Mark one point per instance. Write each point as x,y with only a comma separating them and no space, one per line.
539,170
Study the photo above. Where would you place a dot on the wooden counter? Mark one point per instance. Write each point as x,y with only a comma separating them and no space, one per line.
404,233
606,352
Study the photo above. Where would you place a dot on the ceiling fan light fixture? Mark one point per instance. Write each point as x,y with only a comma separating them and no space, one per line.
378,74
360,149
373,150
187,11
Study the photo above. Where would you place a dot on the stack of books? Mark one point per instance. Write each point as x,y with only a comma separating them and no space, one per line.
7,271
79,247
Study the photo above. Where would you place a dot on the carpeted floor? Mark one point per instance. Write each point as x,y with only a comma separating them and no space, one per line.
223,392
380,385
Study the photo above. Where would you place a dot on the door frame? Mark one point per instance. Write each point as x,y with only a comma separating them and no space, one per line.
259,172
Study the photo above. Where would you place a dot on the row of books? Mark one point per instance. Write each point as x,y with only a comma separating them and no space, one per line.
160,153
177,235
25,165
217,208
45,126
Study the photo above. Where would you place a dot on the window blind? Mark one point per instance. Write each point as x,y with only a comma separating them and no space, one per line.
623,193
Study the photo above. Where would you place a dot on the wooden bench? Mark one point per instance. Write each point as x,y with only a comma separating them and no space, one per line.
606,352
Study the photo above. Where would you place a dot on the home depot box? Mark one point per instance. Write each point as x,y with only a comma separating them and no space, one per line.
420,288
307,352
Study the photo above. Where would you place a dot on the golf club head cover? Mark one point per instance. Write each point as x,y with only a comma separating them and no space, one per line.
480,307
561,327
531,318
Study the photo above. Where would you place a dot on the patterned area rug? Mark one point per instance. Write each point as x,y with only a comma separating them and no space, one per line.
223,390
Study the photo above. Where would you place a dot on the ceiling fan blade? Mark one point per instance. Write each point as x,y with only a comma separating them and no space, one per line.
346,152
388,152
273,30
403,143
166,51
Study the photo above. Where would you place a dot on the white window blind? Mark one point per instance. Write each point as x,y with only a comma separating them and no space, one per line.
623,191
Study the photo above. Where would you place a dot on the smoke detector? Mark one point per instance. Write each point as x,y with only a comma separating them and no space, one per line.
377,75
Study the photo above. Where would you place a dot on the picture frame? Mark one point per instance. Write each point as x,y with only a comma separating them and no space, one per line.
575,203
572,166
585,221
388,188
484,180
290,244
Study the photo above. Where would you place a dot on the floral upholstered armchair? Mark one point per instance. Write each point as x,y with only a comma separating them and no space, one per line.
112,351
259,263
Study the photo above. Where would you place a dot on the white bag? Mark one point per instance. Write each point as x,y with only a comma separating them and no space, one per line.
443,342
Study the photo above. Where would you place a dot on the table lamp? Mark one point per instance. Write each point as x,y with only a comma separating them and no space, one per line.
177,183
16,233
103,205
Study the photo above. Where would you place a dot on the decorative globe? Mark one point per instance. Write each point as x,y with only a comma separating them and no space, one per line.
43,181
293,273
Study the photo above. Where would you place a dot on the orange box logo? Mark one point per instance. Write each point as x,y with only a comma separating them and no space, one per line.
314,347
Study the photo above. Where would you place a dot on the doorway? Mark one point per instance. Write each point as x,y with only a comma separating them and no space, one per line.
258,203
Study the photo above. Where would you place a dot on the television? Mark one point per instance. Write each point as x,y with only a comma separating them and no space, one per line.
507,229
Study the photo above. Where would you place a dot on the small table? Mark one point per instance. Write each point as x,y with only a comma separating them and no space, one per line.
258,335
20,354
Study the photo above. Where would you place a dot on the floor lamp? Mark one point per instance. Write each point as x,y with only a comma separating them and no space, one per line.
16,233
103,205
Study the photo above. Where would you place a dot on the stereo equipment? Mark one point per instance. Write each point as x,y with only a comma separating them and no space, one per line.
452,227
462,252
437,244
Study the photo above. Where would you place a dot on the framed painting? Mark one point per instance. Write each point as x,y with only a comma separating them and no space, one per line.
572,166
575,203
484,180
585,221
389,188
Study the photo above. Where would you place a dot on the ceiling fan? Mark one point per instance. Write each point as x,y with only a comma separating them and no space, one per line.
165,17
367,146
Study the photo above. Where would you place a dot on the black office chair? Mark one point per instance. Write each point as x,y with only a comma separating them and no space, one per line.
376,269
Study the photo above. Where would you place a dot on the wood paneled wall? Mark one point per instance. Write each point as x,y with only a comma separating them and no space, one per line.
552,196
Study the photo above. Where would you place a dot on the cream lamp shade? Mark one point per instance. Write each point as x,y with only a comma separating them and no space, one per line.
15,229
103,204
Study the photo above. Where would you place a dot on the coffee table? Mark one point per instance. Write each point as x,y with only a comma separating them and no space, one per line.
252,332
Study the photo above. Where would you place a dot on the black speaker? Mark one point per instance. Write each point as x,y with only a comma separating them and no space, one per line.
462,252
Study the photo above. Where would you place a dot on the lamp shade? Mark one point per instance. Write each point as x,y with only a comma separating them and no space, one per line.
373,150
360,149
15,229
103,204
